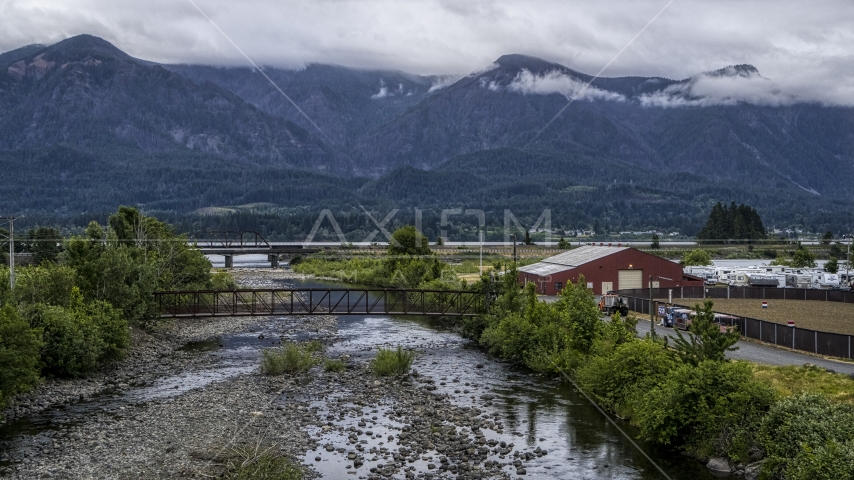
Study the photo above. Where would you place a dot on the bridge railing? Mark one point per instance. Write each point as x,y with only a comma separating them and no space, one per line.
316,301
230,239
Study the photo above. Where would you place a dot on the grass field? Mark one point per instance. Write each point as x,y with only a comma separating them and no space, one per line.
791,380
831,317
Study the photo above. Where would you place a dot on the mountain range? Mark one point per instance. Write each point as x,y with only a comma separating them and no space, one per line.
86,127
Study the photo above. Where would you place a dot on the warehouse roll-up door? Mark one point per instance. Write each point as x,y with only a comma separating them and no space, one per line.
630,279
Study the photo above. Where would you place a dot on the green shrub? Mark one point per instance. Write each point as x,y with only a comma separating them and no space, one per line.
806,421
832,460
80,337
112,329
714,408
313,346
615,332
547,337
509,336
260,463
50,284
697,256
331,365
631,368
19,355
290,359
393,362
472,327
222,281
72,343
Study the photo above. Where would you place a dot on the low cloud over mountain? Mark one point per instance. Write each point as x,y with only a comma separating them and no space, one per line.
559,82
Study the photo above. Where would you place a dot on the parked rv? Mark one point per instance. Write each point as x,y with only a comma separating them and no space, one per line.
799,280
826,280
771,276
763,280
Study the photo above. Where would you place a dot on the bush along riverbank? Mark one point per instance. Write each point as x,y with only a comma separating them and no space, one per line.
732,414
71,314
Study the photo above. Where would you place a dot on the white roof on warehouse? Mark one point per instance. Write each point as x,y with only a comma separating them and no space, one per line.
571,259
543,269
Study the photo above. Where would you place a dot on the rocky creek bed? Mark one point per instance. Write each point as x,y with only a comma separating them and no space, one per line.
177,404
190,393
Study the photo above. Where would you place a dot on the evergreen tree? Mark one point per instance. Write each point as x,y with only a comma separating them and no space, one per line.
528,240
705,341
736,222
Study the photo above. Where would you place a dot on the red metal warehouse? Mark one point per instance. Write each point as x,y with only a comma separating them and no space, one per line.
605,269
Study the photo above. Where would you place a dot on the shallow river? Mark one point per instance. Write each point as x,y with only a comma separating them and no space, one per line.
536,411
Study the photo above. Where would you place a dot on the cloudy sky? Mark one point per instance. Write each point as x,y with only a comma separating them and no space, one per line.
805,48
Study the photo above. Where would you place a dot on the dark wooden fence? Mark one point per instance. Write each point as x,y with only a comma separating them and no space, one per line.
803,339
757,293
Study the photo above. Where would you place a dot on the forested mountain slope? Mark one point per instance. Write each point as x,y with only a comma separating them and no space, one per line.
85,126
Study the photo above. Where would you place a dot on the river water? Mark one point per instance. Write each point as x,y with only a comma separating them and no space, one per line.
536,411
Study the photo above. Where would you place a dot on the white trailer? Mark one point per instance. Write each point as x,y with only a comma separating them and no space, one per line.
799,280
763,280
826,280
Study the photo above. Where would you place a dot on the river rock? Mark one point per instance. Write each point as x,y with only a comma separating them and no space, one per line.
751,471
719,465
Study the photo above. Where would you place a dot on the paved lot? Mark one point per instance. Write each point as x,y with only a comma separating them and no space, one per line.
759,353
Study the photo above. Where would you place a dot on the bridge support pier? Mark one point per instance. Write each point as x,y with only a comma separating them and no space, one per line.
229,261
274,261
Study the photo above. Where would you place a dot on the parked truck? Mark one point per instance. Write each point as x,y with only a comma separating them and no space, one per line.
612,303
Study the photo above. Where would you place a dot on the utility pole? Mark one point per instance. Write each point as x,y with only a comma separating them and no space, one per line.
651,313
11,220
481,250
848,262
514,249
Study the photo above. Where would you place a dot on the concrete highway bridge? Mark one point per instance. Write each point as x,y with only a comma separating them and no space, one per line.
236,242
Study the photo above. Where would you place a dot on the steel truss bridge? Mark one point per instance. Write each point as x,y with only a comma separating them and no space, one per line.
318,301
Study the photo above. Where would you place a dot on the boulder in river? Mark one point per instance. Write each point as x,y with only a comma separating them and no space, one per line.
719,465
